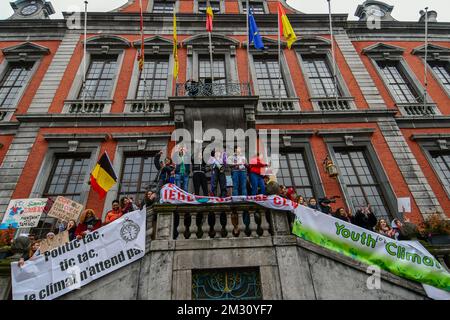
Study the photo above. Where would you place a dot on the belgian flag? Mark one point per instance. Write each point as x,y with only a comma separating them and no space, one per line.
103,177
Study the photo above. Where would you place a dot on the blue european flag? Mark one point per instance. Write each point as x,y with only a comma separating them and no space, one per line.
254,36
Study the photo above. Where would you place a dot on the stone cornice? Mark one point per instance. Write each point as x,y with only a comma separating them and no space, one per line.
97,120
423,122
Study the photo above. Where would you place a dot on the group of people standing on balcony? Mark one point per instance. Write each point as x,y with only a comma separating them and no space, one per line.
247,177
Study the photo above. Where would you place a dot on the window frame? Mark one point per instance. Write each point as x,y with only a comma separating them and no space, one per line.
408,81
328,62
436,53
157,59
361,139
435,75
109,58
4,68
135,154
221,6
285,75
311,168
244,2
152,4
159,48
387,52
429,143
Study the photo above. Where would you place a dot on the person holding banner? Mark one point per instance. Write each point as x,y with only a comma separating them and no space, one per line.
113,214
365,218
88,223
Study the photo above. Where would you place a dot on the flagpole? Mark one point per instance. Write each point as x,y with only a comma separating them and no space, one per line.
84,53
279,61
143,54
211,59
426,60
333,53
248,43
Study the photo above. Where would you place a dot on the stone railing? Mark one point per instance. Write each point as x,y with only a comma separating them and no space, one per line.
158,107
418,109
213,221
273,105
88,107
333,104
194,89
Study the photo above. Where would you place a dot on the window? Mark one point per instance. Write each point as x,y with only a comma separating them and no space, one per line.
235,284
66,179
360,181
294,173
219,70
398,83
99,77
441,163
163,6
257,7
138,172
320,76
153,79
15,78
215,5
442,71
268,77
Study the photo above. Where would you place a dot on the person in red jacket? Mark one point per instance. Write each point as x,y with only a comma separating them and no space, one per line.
88,223
257,172
113,214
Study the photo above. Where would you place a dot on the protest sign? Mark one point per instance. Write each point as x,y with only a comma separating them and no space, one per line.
404,205
23,213
59,240
65,209
170,193
80,262
397,257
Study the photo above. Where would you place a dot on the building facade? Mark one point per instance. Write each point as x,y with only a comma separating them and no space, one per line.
388,139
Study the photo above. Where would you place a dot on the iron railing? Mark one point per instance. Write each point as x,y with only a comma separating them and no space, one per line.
200,89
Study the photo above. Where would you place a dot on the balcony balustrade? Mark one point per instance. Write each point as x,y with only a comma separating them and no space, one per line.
199,89
333,104
88,107
418,109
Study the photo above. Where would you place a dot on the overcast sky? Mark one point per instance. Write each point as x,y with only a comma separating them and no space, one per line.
405,10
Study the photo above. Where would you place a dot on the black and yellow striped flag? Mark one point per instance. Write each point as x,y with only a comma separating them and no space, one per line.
103,177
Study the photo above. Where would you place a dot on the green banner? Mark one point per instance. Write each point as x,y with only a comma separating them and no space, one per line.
368,247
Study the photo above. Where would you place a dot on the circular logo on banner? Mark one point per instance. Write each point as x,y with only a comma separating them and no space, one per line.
130,230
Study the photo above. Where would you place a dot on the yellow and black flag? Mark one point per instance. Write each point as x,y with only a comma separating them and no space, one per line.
103,177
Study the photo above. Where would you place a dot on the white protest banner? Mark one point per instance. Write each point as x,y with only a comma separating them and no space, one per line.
170,193
404,205
65,209
397,257
80,262
24,213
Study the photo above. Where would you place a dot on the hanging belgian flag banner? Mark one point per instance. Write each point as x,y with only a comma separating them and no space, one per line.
209,17
103,177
